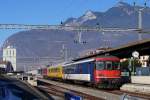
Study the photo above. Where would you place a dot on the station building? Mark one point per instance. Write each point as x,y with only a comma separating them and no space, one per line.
144,60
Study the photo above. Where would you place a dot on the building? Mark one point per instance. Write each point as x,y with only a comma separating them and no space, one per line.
144,60
9,54
93,51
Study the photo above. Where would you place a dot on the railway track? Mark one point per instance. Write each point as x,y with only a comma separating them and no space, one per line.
55,94
59,93
88,93
119,92
138,95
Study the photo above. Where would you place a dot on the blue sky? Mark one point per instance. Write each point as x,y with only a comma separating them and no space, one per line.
47,11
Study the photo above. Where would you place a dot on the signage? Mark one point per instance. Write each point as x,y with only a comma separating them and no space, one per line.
71,96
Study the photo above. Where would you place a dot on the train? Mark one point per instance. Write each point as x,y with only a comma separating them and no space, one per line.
101,72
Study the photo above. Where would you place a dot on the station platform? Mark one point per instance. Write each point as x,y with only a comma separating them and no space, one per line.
136,88
140,79
98,93
18,90
139,84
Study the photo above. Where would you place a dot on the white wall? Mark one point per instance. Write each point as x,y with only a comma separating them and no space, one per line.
9,54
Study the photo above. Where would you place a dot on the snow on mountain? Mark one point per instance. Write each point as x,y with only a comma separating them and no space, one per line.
122,4
89,15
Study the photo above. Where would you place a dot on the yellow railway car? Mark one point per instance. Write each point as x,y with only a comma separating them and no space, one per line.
55,72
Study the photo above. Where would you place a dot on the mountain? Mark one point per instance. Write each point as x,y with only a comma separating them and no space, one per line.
37,48
89,15
121,15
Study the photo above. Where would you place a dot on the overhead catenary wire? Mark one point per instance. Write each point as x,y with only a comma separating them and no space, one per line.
67,28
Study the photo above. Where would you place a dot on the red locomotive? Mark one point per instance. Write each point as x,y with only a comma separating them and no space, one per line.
107,71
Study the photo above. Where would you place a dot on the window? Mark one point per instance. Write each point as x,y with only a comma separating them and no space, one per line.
31,78
10,53
116,65
109,65
112,65
70,69
13,53
7,52
100,65
25,78
20,78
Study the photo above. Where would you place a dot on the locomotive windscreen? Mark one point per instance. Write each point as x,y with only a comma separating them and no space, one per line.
107,65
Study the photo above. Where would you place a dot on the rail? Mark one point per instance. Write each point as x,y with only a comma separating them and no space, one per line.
88,92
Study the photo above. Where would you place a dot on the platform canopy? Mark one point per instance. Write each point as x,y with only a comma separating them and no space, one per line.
125,51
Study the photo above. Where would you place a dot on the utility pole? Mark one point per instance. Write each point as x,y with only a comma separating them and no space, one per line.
140,23
64,53
140,19
80,37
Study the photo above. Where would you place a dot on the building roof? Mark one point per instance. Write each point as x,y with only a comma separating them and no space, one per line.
125,51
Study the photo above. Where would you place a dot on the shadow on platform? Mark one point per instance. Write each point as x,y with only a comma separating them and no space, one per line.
13,89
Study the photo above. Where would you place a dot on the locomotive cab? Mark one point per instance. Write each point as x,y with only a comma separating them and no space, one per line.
107,71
